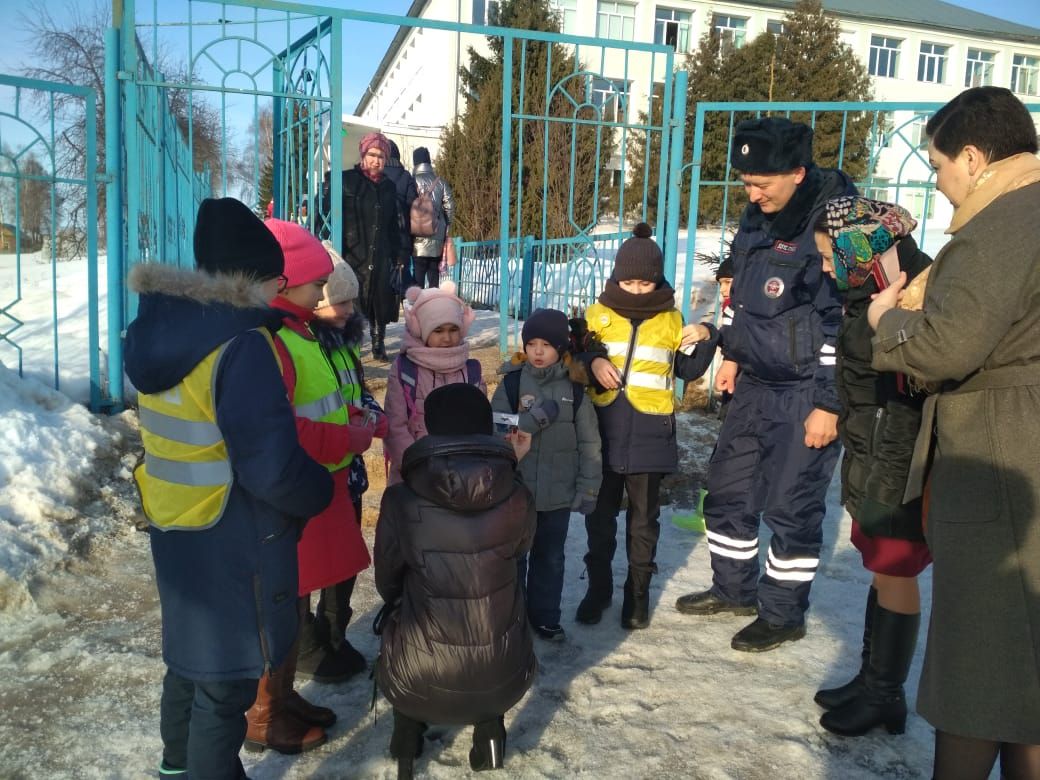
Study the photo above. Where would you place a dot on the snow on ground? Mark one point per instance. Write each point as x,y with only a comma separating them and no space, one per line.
80,665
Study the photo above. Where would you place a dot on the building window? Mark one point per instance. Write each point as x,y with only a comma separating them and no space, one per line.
918,136
486,11
567,10
979,71
877,189
919,199
931,63
672,28
732,30
884,56
610,96
1025,74
775,27
616,21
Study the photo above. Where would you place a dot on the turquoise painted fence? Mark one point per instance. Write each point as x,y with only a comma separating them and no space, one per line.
48,215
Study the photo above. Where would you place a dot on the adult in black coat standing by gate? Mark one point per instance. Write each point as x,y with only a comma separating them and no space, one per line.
407,191
372,236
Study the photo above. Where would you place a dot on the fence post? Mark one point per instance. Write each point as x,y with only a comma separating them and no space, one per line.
677,125
526,277
113,212
503,215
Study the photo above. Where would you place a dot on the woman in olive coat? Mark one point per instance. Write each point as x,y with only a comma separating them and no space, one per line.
975,339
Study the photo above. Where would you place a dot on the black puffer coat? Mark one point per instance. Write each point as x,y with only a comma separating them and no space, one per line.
457,647
878,421
372,242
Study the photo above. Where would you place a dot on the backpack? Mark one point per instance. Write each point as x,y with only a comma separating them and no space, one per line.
423,216
408,372
511,382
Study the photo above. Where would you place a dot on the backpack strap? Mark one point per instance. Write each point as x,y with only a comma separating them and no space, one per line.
473,371
408,374
511,382
578,390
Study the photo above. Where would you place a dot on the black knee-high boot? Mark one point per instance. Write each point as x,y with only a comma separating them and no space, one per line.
829,698
882,701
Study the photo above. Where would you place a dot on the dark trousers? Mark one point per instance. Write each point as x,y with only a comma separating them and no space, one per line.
203,725
641,526
541,570
761,471
428,269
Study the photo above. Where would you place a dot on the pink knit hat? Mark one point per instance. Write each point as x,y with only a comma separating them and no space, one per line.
305,258
426,310
375,139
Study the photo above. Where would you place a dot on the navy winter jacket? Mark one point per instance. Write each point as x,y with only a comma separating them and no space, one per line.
228,593
787,311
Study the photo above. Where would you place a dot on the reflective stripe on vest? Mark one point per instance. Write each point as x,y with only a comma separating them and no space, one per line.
345,361
317,395
205,474
647,365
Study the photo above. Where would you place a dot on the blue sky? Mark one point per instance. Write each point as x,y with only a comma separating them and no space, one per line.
369,42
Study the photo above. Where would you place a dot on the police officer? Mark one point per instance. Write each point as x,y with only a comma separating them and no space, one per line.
778,445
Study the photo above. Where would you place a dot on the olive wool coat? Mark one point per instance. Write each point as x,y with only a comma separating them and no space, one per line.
457,646
977,334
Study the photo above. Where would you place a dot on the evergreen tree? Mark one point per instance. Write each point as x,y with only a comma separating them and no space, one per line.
554,150
808,62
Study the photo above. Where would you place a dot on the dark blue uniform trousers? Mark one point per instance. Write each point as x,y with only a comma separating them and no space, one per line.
761,470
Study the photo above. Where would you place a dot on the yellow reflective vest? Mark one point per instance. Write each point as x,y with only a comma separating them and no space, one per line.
345,363
317,395
643,356
185,477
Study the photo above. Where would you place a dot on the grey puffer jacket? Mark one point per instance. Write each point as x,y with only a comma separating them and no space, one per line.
456,647
426,181
566,456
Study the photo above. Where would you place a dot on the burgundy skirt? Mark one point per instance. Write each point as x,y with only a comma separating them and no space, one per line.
894,557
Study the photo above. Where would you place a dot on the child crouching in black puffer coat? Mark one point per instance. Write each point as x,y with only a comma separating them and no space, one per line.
457,646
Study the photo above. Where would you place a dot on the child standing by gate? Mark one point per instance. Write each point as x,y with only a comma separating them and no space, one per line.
564,466
644,347
434,352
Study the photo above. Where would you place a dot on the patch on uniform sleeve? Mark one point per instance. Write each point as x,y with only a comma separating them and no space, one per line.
774,287
526,402
785,248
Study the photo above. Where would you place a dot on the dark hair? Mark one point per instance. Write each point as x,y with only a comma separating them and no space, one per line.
990,118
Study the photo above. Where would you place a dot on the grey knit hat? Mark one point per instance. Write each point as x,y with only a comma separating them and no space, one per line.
639,257
342,285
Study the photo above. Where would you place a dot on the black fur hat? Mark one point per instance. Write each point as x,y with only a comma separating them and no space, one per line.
458,409
771,145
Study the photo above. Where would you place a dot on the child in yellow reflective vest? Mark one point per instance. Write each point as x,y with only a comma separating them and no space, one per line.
640,347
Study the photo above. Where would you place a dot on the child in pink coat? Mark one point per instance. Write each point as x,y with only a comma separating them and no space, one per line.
434,352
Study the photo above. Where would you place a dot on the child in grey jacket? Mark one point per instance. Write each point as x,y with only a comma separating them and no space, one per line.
565,464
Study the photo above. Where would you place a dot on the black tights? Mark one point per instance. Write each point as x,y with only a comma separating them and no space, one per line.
968,758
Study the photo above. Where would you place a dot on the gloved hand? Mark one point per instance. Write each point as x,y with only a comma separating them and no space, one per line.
359,437
382,424
585,503
545,412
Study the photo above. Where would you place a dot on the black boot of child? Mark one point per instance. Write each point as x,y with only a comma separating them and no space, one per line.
489,745
635,609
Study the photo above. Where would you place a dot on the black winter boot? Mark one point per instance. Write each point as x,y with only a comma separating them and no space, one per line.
406,743
317,660
378,344
489,745
829,698
600,592
635,609
882,701
332,616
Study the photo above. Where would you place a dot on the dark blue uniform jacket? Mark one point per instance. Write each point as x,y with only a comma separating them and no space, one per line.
785,308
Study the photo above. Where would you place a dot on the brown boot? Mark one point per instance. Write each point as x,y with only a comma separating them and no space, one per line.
271,724
298,706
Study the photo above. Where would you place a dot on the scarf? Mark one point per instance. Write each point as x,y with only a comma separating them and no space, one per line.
999,178
634,306
439,360
861,230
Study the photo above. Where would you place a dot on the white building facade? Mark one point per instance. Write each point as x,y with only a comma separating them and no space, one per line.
924,50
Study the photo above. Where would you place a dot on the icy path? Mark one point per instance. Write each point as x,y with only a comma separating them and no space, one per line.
79,683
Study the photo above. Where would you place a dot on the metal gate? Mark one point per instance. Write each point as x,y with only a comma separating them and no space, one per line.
48,215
